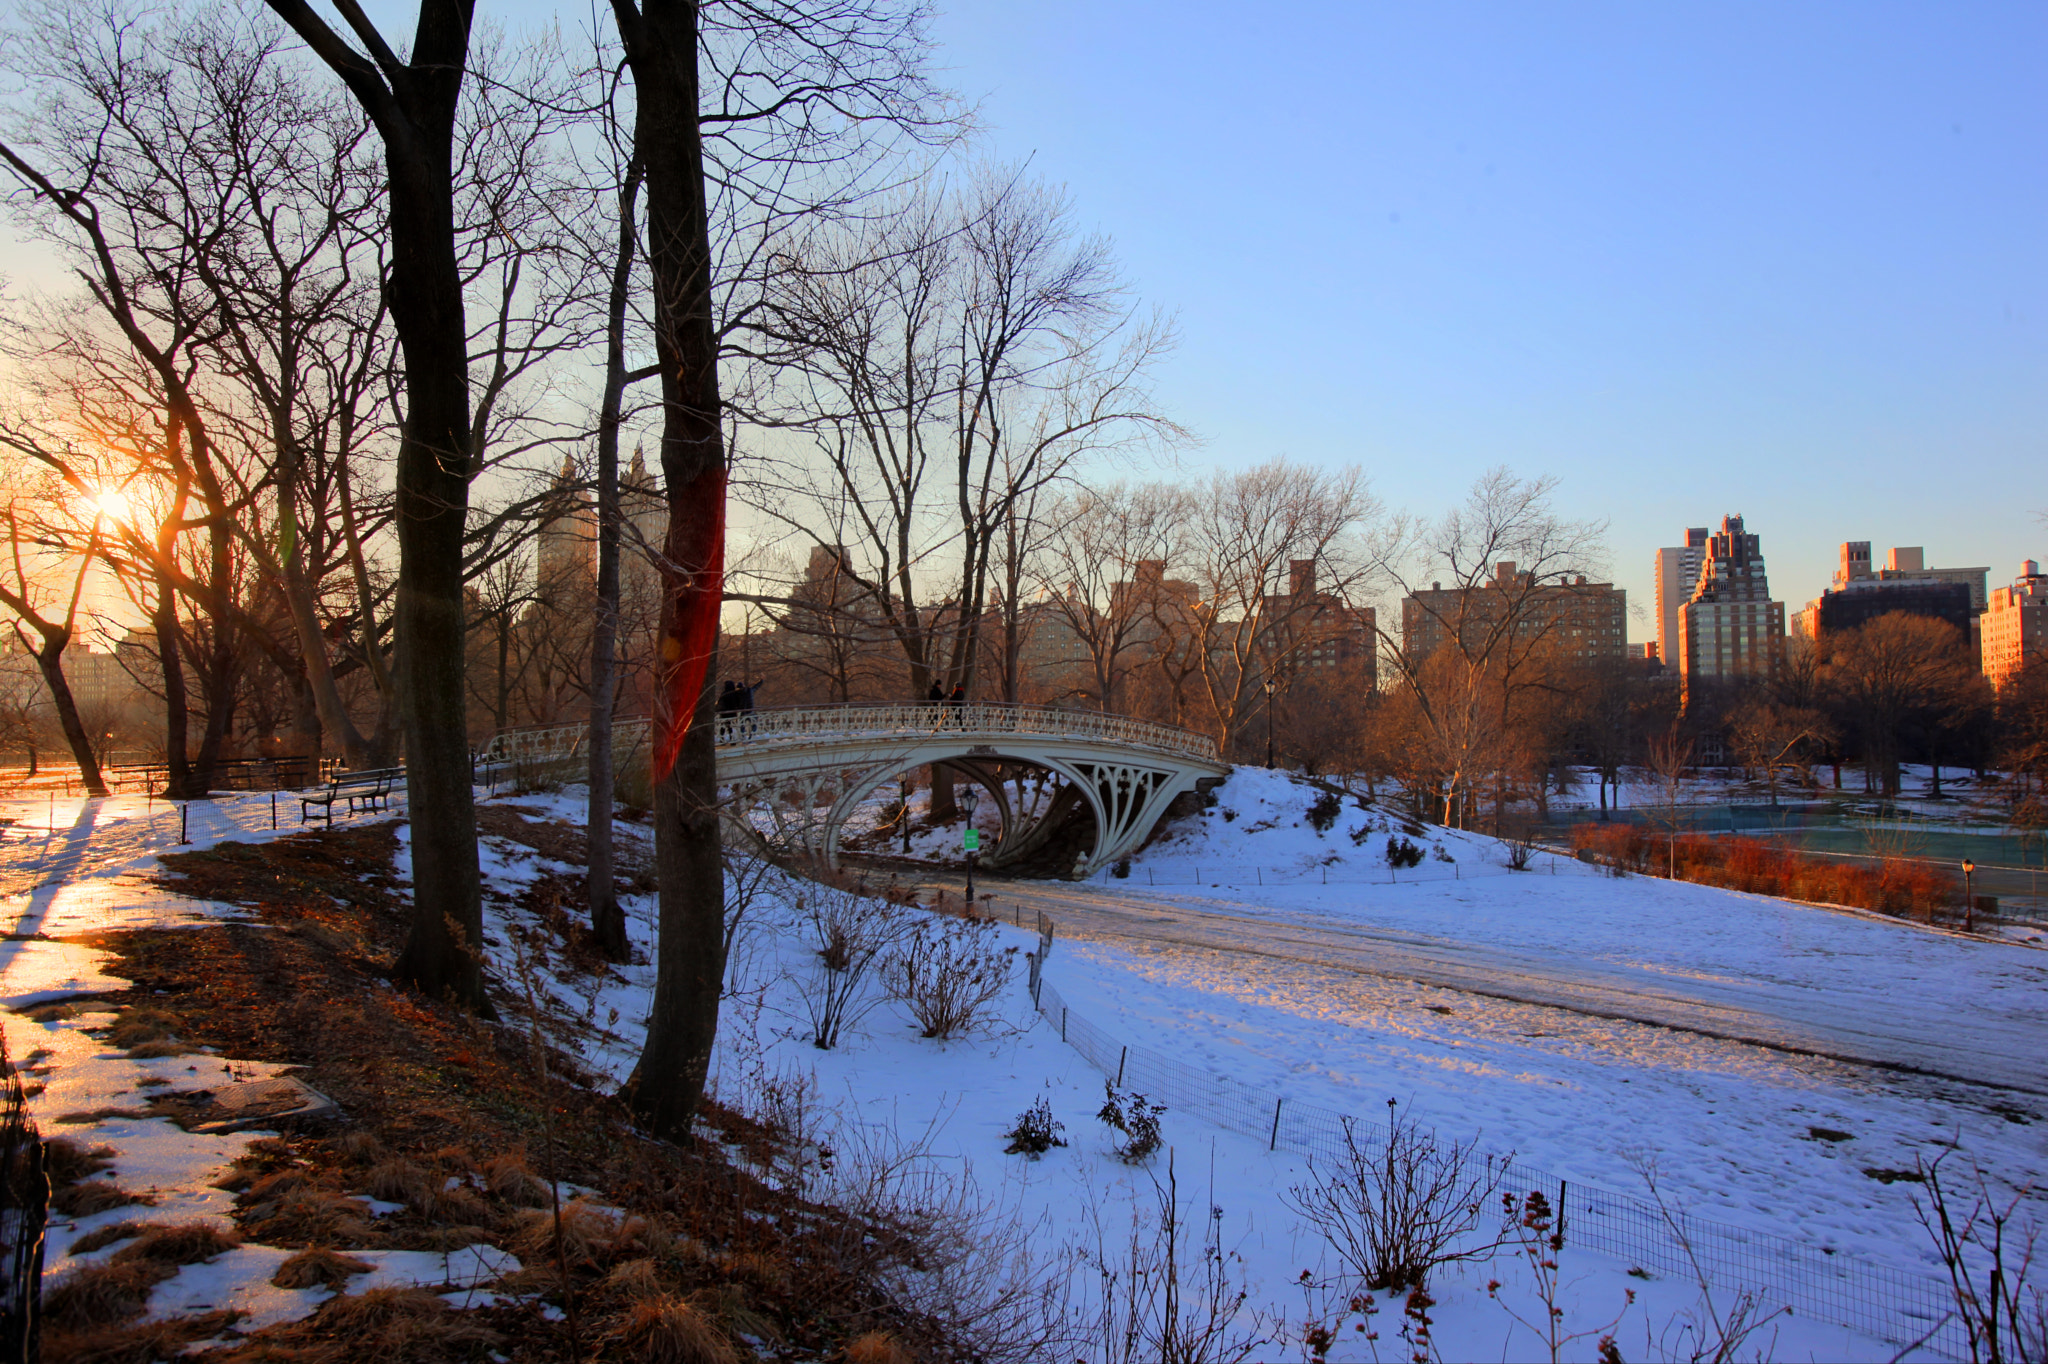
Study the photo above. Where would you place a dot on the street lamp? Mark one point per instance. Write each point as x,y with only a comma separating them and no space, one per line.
904,784
971,839
1269,721
1969,900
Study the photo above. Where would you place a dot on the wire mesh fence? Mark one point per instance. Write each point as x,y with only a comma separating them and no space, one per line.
1236,875
24,1205
1893,1306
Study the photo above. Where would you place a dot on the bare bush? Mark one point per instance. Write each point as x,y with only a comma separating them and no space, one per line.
1395,1208
948,972
1988,1255
1538,1239
851,932
1714,1330
1158,1299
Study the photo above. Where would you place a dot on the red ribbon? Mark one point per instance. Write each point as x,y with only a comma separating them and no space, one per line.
693,623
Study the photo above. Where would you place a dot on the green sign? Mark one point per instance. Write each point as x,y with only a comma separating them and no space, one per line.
971,840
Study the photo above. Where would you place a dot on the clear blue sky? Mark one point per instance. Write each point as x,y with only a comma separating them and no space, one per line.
1788,260
1784,259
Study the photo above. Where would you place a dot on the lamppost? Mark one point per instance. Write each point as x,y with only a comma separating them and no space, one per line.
904,784
1269,721
971,839
1969,900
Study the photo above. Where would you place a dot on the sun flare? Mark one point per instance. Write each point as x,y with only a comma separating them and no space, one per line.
112,504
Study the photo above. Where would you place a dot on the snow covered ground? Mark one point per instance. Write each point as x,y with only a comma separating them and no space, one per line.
1731,1127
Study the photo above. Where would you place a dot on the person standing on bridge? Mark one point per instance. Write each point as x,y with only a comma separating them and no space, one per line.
957,700
743,702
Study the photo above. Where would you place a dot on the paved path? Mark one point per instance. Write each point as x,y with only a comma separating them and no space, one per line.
1994,1038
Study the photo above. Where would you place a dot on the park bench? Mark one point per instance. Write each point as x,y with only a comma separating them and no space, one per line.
366,790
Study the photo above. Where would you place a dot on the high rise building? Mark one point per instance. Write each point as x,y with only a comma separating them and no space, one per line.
1730,627
565,559
1578,620
2015,625
1678,573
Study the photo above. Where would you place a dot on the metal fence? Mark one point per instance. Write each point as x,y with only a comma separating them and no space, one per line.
24,1207
1236,875
1898,1308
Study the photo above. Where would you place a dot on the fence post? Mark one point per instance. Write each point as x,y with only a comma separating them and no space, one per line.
1122,1053
1063,1022
1259,876
1562,1185
1273,1142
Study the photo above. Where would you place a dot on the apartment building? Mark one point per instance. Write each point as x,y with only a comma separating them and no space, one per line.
1729,627
1578,620
2015,625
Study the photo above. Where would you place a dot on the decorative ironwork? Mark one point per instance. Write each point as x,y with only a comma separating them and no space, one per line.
975,723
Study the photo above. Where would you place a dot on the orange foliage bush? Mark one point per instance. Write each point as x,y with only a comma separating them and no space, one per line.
1896,886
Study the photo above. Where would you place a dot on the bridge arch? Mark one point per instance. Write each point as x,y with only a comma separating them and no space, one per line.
1126,771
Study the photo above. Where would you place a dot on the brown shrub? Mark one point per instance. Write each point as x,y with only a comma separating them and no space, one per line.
179,1243
1760,868
318,1268
670,1330
159,1048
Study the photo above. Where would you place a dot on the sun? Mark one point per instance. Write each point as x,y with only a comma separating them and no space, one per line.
112,504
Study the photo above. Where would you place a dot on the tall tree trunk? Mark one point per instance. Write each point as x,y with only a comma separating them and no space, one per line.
607,916
50,659
412,101
661,47
177,714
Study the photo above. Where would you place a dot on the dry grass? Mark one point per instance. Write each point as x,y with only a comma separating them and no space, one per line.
511,1178
158,1049
666,1329
106,1236
50,1013
590,1237
178,1243
91,1196
409,1324
67,1162
425,1086
93,1295
400,1181
143,1342
319,1269
874,1347
133,1027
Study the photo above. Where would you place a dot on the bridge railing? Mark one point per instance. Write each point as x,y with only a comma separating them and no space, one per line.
798,725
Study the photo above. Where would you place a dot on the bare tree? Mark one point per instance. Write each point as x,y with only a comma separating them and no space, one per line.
46,624
1509,560
1891,673
1279,569
412,102
1104,569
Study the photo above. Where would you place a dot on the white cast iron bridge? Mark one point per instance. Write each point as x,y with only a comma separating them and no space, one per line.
792,776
